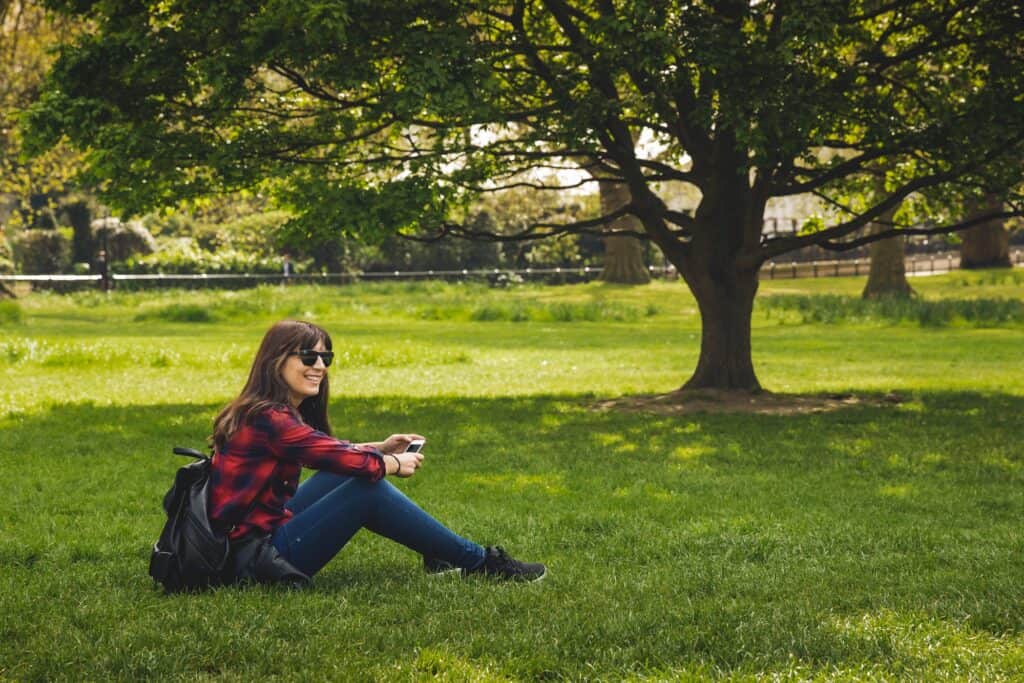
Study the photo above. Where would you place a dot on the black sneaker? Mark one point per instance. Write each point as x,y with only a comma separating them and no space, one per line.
499,565
435,567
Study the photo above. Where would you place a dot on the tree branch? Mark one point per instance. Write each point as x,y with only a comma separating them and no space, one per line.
896,232
781,245
538,230
840,170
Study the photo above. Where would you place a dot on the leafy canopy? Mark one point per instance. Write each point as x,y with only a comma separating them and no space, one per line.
365,116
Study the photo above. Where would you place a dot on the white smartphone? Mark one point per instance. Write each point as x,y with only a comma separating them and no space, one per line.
415,445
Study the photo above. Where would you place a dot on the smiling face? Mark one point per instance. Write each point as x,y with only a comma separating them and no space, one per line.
303,380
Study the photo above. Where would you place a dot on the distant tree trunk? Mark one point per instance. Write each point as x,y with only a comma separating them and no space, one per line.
986,245
888,275
83,244
623,255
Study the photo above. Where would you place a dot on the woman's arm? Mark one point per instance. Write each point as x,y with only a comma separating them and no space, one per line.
295,440
396,443
292,439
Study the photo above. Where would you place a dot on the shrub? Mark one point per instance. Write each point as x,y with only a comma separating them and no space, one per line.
40,252
256,233
182,255
10,312
178,313
6,257
563,312
123,240
831,308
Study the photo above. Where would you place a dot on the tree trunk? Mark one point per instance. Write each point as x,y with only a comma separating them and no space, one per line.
83,244
986,245
725,297
888,276
623,255
726,303
623,261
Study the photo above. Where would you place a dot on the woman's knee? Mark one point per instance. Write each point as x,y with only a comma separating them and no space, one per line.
381,487
377,492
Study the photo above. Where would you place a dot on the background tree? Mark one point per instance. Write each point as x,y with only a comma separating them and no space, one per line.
365,117
986,245
623,254
887,276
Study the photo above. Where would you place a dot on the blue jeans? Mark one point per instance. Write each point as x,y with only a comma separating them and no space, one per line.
330,508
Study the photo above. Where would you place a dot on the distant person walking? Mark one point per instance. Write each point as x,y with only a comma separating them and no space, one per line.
277,426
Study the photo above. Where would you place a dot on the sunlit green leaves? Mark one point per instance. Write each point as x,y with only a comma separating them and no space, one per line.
342,104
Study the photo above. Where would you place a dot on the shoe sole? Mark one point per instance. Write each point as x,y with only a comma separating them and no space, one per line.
444,572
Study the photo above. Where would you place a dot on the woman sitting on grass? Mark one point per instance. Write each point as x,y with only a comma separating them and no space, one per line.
278,425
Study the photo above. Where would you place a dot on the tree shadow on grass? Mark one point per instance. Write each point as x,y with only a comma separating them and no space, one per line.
736,541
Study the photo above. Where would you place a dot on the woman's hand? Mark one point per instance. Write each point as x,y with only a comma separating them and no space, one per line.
397,443
403,464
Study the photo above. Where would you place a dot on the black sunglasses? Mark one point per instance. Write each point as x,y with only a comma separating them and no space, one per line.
309,356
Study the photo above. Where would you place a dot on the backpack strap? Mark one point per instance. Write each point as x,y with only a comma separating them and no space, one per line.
191,452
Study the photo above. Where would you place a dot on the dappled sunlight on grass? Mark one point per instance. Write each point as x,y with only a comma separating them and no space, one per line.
758,549
875,541
896,491
914,641
690,453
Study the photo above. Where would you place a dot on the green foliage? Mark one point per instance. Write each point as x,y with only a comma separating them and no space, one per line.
558,251
987,278
256,233
562,312
178,313
29,35
6,257
829,309
376,123
238,224
42,251
183,255
10,313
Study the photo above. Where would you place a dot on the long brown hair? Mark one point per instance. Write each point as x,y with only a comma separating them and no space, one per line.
266,388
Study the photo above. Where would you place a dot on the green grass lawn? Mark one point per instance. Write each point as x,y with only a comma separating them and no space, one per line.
866,543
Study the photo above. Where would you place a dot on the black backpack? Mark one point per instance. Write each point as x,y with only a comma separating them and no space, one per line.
190,553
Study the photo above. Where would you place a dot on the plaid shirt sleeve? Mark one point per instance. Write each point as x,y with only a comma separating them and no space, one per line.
298,442
258,471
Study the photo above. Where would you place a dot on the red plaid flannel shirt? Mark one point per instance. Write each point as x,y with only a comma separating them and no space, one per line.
260,465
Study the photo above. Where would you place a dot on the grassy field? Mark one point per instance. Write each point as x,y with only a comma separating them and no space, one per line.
865,543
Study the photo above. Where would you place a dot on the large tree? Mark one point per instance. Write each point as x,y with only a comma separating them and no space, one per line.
393,113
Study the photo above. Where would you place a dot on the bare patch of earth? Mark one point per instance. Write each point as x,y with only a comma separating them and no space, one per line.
763,402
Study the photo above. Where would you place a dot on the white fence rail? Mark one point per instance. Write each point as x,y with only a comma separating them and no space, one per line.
919,264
